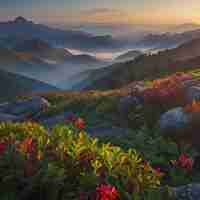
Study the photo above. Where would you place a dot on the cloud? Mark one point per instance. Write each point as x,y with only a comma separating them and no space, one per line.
103,15
102,11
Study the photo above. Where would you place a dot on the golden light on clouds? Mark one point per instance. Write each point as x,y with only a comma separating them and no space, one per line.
154,15
125,11
104,15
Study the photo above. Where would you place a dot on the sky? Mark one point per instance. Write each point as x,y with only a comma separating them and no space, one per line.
103,11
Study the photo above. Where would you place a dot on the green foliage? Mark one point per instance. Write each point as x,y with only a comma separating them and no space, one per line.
153,147
159,152
35,164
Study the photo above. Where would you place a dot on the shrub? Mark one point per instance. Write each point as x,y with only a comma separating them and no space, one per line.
167,91
36,164
164,155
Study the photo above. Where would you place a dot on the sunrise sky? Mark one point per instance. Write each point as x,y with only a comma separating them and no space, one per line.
103,11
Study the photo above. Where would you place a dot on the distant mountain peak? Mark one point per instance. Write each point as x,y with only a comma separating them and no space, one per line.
20,19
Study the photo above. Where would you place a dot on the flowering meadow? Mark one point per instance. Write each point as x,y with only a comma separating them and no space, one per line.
68,164
167,90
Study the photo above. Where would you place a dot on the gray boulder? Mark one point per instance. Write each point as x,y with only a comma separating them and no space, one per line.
25,107
173,122
181,126
187,192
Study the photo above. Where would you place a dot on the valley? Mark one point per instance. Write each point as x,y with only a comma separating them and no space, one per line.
83,115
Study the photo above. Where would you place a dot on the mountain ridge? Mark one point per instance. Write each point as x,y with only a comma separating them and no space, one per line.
25,29
20,85
184,57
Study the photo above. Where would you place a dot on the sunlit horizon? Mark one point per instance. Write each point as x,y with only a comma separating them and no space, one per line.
105,12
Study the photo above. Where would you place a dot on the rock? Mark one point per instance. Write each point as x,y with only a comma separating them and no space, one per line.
56,119
190,83
192,93
187,192
173,121
9,118
25,107
181,126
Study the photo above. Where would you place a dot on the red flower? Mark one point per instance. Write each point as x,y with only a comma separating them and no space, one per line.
107,192
28,146
184,162
2,148
158,170
80,123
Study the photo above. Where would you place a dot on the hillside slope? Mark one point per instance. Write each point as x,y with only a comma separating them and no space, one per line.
12,85
184,57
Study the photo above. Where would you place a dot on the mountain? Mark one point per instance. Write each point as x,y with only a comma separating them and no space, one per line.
18,62
184,57
39,60
43,50
167,40
22,29
184,27
12,85
185,51
130,55
21,20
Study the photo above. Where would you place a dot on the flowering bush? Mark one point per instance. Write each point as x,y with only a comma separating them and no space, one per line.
107,192
167,90
183,162
68,164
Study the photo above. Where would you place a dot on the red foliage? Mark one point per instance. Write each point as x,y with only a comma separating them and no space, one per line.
192,108
184,162
79,123
107,192
28,146
167,90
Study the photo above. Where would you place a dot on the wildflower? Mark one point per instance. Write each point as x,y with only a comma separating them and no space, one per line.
184,77
28,146
158,170
80,123
107,192
184,162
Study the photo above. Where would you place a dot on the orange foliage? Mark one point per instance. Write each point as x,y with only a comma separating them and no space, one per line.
166,90
194,107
